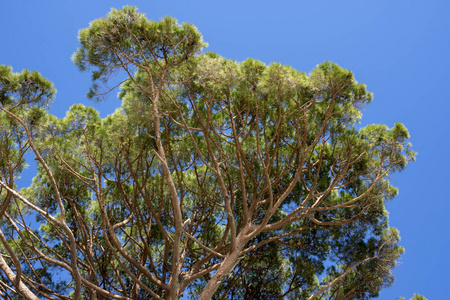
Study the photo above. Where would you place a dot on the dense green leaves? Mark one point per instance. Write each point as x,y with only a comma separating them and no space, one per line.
126,40
216,178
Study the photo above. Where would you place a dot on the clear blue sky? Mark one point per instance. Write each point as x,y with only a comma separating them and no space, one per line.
399,48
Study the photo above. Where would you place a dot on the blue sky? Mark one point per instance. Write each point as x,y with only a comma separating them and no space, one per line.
400,49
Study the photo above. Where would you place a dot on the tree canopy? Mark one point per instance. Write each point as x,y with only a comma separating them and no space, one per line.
215,179
415,297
